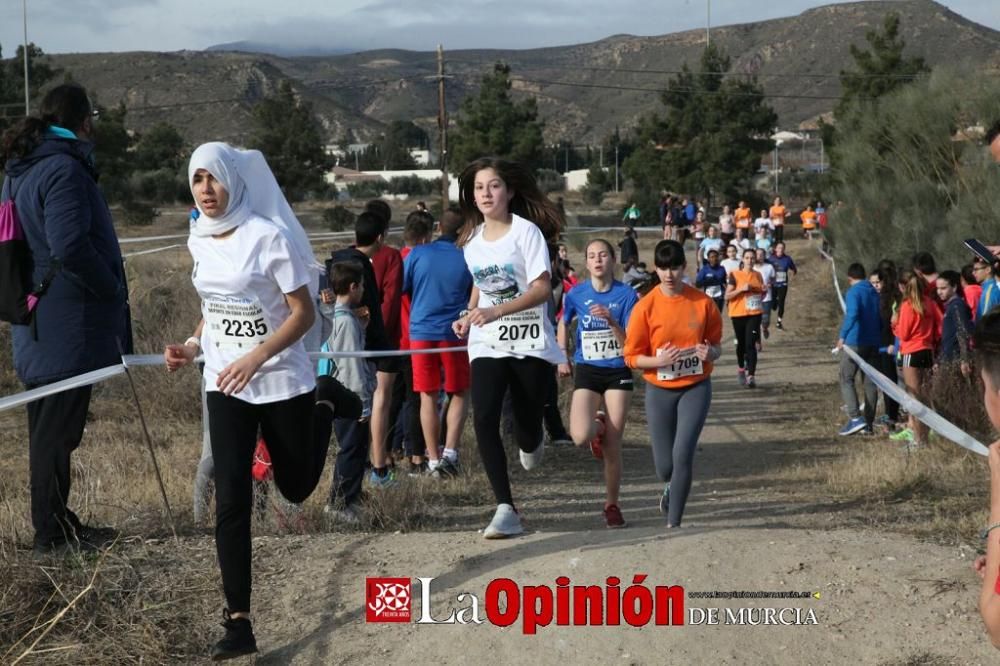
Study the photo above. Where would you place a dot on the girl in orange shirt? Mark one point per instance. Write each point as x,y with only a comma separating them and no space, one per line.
917,324
778,214
745,294
742,217
674,335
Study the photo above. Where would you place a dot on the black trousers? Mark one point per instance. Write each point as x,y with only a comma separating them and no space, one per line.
405,433
887,365
747,330
780,294
552,418
55,429
297,432
491,377
779,234
352,459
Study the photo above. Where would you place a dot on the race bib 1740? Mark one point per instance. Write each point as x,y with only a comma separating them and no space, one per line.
713,291
687,365
236,323
519,332
754,301
599,345
781,277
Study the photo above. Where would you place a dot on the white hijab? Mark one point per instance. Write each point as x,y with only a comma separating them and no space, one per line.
252,189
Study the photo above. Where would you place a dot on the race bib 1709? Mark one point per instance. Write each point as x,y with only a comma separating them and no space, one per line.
781,277
236,323
687,365
714,291
599,345
518,332
754,301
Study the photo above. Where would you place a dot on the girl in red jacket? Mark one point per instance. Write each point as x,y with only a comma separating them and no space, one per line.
917,324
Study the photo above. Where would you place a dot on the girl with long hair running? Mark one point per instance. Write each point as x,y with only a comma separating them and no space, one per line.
745,294
674,336
511,342
253,270
601,308
917,324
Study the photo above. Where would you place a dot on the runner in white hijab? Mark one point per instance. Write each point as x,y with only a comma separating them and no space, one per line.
252,189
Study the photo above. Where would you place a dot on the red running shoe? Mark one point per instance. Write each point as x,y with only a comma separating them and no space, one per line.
613,516
596,444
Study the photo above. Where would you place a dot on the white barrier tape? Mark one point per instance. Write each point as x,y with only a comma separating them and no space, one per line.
136,360
383,354
327,235
153,251
18,399
932,419
148,239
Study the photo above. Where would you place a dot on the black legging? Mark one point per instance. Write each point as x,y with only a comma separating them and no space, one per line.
297,432
527,379
747,330
887,365
779,233
779,295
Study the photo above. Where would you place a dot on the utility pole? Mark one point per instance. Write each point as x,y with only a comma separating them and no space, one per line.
24,14
708,24
442,131
567,159
616,167
601,153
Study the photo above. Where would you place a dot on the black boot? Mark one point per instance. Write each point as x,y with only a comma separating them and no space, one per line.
238,641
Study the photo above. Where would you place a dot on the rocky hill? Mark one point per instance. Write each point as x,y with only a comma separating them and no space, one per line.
584,91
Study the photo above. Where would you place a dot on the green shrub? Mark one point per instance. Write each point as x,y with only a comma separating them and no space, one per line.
338,218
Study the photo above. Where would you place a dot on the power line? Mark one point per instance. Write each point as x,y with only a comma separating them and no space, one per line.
692,91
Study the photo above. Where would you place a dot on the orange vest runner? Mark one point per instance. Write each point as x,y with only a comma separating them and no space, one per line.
808,218
747,303
778,215
742,217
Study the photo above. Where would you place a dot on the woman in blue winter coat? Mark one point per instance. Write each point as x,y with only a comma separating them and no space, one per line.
81,321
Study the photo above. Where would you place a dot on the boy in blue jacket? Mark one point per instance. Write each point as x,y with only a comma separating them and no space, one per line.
861,332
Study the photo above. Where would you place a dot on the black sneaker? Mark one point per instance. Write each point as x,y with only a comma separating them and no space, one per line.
101,537
415,470
238,641
62,548
446,469
340,400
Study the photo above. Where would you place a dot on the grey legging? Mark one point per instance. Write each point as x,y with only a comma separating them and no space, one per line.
676,417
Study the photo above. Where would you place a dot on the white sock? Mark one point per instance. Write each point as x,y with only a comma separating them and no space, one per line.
433,464
451,455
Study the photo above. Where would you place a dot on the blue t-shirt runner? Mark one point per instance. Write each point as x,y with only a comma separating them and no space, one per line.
595,342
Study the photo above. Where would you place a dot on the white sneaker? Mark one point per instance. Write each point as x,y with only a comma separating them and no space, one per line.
530,461
349,515
506,523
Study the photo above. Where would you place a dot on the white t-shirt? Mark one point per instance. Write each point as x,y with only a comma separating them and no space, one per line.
242,280
502,270
726,224
763,223
709,244
730,265
767,273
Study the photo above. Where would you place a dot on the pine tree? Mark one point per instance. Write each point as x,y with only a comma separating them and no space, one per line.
711,138
492,124
289,135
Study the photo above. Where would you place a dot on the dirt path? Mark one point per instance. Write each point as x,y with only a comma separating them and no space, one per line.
884,598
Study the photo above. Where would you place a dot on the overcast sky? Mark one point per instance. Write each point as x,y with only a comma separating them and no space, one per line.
61,26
